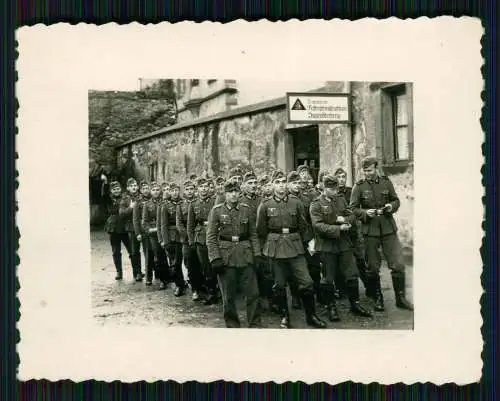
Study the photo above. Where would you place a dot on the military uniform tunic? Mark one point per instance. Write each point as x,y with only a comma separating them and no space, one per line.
378,231
115,227
170,238
126,214
282,225
149,224
232,237
334,245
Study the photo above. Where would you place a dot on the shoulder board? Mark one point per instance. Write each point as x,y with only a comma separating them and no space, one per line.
317,198
244,204
293,196
218,205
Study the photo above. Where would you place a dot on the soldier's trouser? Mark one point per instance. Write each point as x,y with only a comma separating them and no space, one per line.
174,251
148,257
206,268
265,279
292,269
135,253
391,248
243,279
193,266
314,267
159,257
343,261
116,240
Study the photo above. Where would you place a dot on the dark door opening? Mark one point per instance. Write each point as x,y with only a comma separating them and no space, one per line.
306,148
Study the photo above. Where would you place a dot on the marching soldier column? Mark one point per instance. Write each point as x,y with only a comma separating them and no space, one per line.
260,236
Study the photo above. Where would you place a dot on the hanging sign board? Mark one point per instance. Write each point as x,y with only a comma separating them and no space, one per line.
307,107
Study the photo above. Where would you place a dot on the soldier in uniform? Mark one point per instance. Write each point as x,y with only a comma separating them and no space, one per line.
219,190
262,268
189,251
332,220
197,223
356,236
374,200
127,203
170,238
115,228
150,227
165,193
233,250
141,236
236,174
282,225
262,181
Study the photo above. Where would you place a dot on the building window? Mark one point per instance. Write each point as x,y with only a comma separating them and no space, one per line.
211,81
396,140
153,171
195,82
163,169
400,125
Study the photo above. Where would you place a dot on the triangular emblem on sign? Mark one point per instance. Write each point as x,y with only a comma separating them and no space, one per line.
298,105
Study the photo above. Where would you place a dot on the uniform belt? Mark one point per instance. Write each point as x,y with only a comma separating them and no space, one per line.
234,238
284,230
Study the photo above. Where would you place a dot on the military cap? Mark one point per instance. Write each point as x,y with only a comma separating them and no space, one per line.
263,179
202,180
330,181
174,185
293,176
114,184
231,185
369,161
131,181
236,171
301,168
165,184
277,174
155,185
144,184
188,183
193,177
340,170
219,180
249,176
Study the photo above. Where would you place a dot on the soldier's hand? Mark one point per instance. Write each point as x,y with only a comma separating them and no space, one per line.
132,204
371,212
340,219
388,208
162,244
139,237
345,227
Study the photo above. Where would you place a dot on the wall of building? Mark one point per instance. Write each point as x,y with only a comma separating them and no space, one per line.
215,147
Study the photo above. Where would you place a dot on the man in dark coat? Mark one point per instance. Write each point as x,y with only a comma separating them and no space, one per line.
197,223
282,226
189,253
115,227
233,249
332,220
374,200
170,238
127,204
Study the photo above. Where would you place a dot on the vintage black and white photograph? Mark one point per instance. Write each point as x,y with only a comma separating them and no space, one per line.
181,185
255,204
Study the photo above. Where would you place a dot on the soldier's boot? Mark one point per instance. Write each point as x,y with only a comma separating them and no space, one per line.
282,304
310,309
353,293
379,297
369,290
117,259
333,313
136,267
399,283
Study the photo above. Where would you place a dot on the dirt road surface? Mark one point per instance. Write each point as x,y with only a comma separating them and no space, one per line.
130,303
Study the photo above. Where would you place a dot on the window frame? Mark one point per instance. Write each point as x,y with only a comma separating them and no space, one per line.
388,137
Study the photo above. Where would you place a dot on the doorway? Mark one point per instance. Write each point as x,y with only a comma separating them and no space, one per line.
306,148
